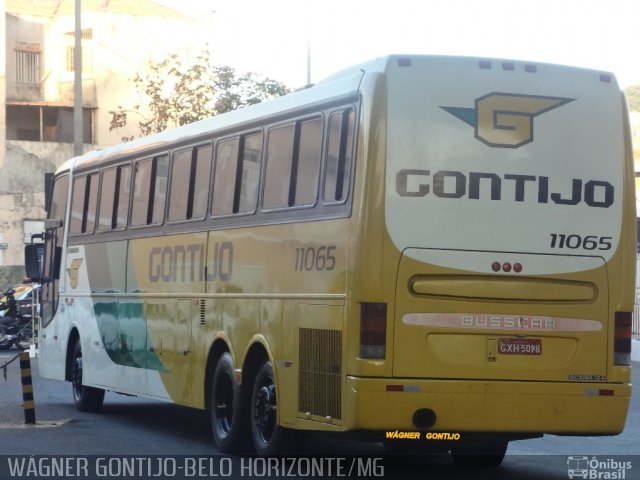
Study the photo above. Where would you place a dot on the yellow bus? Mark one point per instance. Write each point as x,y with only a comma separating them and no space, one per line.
434,249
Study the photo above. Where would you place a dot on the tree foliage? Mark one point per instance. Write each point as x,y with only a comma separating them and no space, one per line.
173,94
633,97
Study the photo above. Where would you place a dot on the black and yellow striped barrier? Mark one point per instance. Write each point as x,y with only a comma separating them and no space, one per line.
27,389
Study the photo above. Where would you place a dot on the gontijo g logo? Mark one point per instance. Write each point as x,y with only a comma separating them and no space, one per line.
506,119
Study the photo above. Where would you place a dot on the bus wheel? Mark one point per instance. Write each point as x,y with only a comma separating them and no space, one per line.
268,437
86,399
488,455
228,418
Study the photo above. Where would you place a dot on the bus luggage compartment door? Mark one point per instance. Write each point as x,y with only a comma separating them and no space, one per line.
524,325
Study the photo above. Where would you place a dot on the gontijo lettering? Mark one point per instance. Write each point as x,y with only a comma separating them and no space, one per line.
186,263
455,184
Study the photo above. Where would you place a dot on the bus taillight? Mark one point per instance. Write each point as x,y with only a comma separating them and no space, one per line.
622,339
373,330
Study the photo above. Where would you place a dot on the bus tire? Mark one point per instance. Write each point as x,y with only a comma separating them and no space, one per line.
487,455
269,438
229,417
86,399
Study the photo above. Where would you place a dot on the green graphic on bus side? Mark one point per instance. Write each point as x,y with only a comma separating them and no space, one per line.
124,334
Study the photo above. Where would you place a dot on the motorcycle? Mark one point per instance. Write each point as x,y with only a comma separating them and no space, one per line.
15,328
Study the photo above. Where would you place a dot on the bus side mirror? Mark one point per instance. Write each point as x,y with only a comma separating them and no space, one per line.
33,260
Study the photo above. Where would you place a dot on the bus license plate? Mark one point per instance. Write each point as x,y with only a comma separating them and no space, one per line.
520,346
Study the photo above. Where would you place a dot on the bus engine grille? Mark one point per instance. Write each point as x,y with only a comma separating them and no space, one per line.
320,372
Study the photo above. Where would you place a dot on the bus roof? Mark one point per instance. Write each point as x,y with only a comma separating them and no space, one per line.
340,85
337,88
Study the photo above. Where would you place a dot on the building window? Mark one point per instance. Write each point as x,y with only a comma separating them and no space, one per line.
28,64
37,123
87,57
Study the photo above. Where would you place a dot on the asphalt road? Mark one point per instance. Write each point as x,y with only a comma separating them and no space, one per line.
130,426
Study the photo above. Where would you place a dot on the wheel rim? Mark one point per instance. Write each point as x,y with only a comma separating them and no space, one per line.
223,406
264,409
76,376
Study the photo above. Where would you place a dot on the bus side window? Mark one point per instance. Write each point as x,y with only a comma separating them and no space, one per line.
278,174
293,164
83,204
141,180
308,168
249,171
179,192
91,203
77,204
107,195
224,182
200,178
122,195
339,155
150,191
189,192
158,196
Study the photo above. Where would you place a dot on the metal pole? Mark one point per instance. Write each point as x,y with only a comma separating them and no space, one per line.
309,44
77,84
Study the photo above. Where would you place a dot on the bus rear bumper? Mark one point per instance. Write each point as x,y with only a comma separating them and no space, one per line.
489,406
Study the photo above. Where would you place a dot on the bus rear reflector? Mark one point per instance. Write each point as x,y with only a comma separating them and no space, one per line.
373,330
622,339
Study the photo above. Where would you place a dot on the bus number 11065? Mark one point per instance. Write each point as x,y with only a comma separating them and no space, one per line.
588,242
318,259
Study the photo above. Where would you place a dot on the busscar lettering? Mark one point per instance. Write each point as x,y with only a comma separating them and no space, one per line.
498,321
186,263
479,185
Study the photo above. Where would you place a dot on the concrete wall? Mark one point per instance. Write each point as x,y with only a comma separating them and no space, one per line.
22,196
120,47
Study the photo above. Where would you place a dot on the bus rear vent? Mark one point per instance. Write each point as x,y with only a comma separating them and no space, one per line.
320,372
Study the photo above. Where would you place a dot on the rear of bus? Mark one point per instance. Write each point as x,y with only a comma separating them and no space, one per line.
502,300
